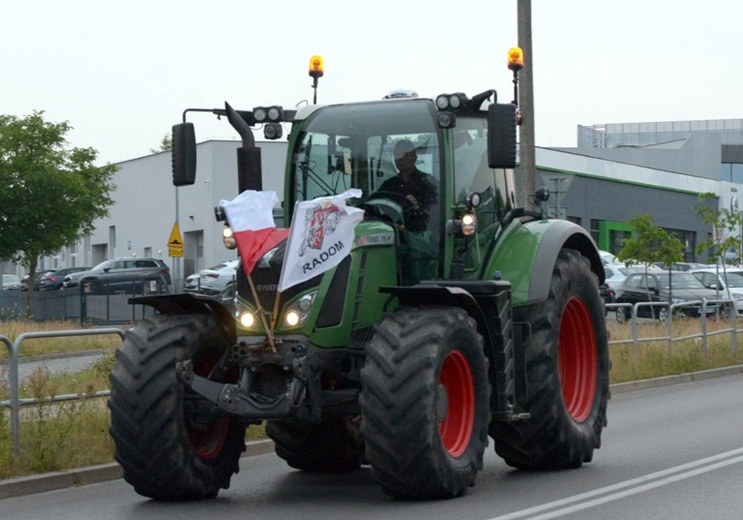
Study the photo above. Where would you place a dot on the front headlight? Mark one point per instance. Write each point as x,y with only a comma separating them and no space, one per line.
246,317
296,313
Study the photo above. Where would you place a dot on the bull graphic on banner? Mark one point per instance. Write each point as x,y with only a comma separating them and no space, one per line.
319,221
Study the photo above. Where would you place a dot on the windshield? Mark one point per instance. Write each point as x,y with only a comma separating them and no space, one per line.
352,146
735,280
680,281
390,150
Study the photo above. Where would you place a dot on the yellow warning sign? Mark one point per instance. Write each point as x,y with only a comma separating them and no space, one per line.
175,242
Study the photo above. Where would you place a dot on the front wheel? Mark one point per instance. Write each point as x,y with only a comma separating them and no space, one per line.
566,371
424,402
171,443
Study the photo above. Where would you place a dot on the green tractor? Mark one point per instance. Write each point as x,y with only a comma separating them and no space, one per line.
408,355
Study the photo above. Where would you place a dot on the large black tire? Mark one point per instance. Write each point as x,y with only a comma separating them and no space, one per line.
567,374
171,444
424,403
330,447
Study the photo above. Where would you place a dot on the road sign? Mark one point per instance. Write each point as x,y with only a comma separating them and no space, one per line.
175,242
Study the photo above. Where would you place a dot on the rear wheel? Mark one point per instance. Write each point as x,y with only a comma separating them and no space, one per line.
567,374
171,443
333,446
424,402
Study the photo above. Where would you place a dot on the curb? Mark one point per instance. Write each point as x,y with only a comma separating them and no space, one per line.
95,474
645,384
33,484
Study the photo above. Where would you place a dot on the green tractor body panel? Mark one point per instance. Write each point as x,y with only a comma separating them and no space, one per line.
347,296
533,247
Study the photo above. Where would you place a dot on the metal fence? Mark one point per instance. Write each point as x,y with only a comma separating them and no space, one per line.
89,305
15,402
708,309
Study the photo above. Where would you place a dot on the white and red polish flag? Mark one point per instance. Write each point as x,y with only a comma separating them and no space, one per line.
322,234
250,216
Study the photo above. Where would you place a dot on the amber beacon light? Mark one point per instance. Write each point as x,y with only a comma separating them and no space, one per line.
515,58
317,69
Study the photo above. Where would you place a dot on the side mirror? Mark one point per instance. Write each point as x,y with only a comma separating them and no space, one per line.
502,135
184,154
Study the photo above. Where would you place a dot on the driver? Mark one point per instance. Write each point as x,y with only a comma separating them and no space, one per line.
417,187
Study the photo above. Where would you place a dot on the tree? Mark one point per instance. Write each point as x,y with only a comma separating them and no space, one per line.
650,244
51,193
165,145
726,224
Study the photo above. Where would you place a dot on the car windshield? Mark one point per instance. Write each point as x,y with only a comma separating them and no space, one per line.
679,281
101,266
735,280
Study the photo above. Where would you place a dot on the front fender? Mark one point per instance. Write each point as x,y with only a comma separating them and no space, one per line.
189,303
526,254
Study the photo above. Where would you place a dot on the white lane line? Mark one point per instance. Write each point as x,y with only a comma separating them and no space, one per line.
619,490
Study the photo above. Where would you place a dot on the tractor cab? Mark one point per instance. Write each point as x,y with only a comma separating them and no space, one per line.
459,173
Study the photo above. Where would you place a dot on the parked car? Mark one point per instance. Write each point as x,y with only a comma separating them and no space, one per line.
607,294
124,275
608,258
11,282
615,274
52,280
213,280
663,286
37,279
727,283
680,266
191,283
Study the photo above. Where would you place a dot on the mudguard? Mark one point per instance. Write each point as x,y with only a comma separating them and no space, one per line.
188,303
526,253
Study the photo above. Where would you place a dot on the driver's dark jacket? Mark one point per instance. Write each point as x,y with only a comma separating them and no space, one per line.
425,192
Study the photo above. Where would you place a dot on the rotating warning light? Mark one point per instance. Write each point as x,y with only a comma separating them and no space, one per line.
515,58
317,66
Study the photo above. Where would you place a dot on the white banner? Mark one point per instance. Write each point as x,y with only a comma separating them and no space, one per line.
321,235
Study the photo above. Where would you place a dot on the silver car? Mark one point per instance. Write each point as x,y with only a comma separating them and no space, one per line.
213,280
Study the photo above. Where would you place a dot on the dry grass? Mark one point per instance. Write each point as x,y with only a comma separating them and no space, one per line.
649,359
45,346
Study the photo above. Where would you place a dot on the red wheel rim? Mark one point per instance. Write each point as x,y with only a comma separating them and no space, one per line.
578,359
207,440
456,427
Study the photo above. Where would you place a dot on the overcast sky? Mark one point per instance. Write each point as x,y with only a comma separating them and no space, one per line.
121,72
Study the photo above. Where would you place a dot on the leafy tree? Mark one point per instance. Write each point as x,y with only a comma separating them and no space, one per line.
165,145
51,194
726,224
649,244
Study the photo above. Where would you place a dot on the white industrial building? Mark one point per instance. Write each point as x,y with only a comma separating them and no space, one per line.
595,186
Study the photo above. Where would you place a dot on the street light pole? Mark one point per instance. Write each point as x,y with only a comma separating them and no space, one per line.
526,103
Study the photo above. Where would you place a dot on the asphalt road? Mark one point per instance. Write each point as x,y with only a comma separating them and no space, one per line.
668,452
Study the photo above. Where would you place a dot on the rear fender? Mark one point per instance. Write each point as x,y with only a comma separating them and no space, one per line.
527,252
188,303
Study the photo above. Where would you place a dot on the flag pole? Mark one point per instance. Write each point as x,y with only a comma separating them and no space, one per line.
262,315
276,309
